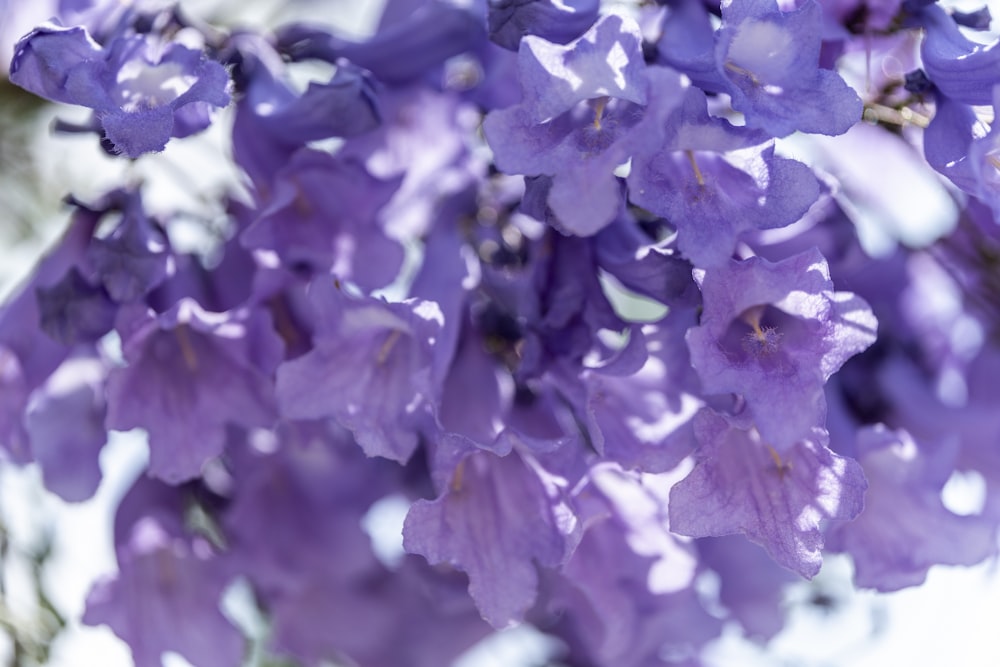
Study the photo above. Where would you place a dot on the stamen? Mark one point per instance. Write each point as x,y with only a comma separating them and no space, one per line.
761,339
733,67
694,167
187,349
387,346
781,466
458,477
752,317
284,323
599,106
879,113
762,342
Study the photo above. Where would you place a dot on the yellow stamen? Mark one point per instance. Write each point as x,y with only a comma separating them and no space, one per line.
458,477
762,340
778,463
733,67
879,113
599,106
187,349
698,176
752,317
387,346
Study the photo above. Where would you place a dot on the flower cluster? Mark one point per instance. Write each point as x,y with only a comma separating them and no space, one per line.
421,295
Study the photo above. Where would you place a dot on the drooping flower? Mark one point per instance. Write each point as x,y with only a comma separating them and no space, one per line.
963,70
135,257
294,518
166,594
323,216
587,123
29,355
273,121
65,423
740,485
189,374
773,333
553,20
692,179
142,92
411,41
73,310
757,601
905,528
768,60
494,522
369,369
627,592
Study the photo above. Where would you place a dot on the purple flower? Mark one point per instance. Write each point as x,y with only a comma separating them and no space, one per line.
949,138
423,141
581,116
472,404
963,70
606,61
984,160
643,419
530,173
740,485
552,20
756,601
323,216
143,93
692,180
369,369
165,596
562,305
652,269
446,277
426,613
28,355
189,374
135,257
294,517
273,121
412,40
769,62
687,43
494,522
65,422
905,528
626,594
74,311
773,333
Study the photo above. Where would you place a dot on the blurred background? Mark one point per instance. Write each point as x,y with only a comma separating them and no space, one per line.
51,551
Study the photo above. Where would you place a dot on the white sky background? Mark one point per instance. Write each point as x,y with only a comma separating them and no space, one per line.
951,620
